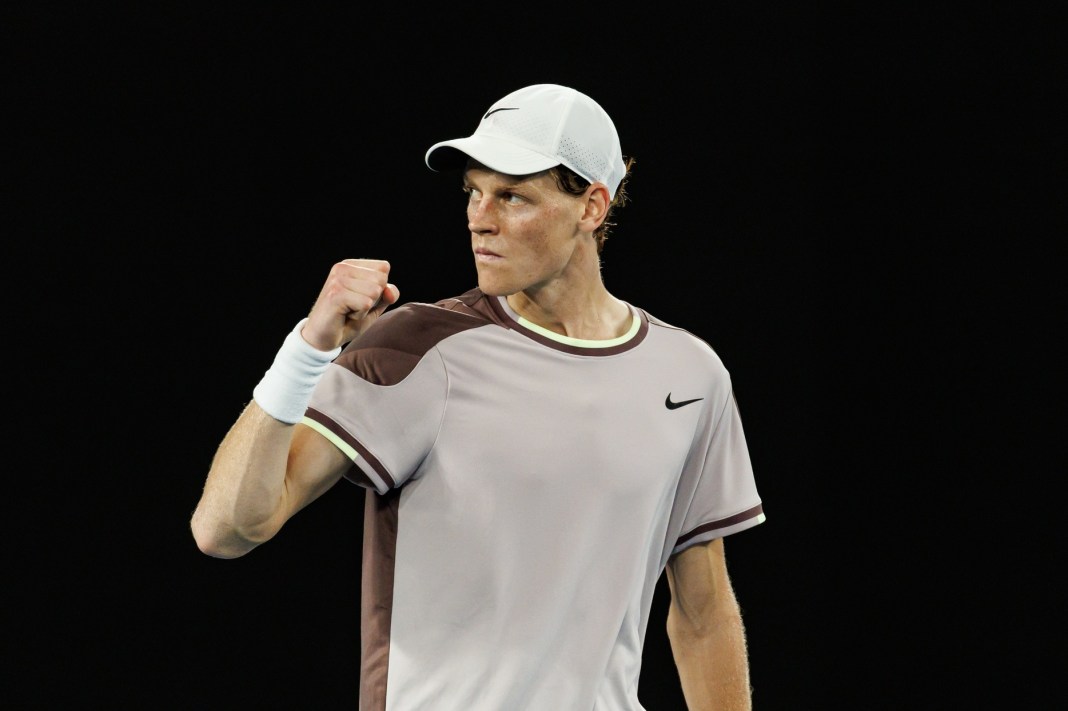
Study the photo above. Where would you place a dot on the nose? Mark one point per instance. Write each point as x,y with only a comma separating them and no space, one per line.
481,218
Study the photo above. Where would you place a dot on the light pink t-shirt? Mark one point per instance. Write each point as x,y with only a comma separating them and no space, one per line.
525,493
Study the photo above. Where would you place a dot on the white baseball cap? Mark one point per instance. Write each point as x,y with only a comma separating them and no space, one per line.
536,128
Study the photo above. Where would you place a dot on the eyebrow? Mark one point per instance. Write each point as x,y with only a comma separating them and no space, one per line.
500,180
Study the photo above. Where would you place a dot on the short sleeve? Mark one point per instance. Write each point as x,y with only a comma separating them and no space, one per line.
381,401
724,496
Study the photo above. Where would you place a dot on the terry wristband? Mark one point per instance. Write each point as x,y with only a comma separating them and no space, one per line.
286,387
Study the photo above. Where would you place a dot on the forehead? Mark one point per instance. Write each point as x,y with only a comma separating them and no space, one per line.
477,174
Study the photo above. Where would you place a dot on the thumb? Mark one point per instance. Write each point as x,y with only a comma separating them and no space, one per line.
390,295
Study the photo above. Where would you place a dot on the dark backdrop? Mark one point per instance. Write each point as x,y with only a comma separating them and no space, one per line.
854,207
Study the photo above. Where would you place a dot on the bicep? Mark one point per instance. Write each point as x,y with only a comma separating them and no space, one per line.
699,583
314,465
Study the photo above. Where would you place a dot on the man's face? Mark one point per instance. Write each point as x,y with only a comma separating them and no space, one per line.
524,230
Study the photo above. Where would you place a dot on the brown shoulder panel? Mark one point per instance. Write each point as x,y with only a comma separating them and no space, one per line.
390,349
475,303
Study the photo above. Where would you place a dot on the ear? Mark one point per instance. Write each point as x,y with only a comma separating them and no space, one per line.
597,202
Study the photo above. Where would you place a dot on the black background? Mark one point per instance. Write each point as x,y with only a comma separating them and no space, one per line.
857,207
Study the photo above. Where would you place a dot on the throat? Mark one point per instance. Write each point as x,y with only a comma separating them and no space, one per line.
612,319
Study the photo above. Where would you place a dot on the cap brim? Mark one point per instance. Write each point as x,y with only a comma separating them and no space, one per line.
494,153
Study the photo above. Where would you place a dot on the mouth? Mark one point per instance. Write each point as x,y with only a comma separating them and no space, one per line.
486,255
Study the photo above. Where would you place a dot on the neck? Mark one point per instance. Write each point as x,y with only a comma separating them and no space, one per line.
590,313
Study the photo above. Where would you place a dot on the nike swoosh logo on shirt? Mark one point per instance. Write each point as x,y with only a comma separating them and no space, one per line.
675,405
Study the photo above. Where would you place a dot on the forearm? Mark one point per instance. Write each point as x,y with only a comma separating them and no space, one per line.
712,660
243,501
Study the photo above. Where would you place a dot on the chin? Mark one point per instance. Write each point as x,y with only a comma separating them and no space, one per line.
491,289
495,287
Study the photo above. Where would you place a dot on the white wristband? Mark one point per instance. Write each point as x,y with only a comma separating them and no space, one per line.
286,387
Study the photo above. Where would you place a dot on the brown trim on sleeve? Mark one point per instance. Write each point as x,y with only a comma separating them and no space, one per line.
354,473
722,523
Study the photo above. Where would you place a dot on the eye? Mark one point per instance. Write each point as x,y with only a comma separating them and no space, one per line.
511,198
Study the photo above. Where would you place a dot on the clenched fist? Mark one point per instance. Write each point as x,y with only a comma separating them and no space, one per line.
355,294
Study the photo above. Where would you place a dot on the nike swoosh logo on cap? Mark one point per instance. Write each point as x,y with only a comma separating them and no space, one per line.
676,405
514,108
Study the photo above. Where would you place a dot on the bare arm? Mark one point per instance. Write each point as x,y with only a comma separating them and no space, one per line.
262,474
266,470
705,630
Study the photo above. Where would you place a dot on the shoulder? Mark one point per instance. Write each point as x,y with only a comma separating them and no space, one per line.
392,348
685,346
416,327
